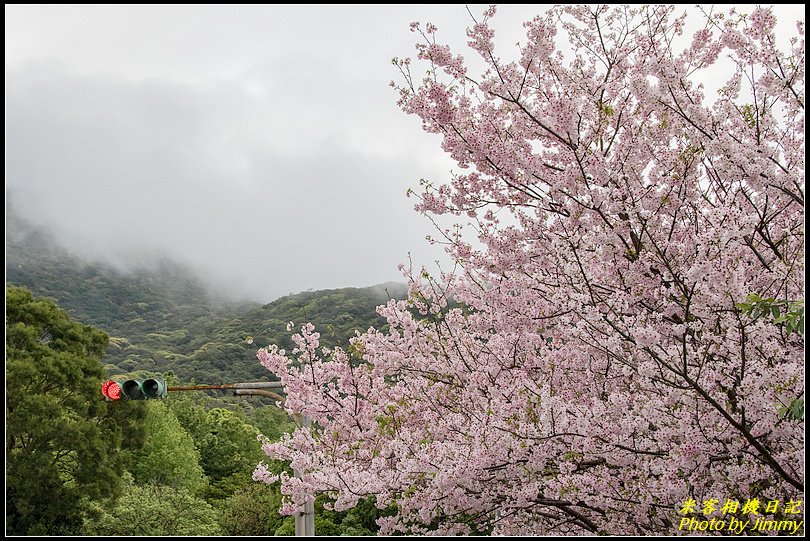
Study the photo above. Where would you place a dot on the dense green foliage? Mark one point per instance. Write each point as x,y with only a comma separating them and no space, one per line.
169,455
154,509
181,466
246,511
62,440
77,465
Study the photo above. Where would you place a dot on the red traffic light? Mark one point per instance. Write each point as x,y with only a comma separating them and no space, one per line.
111,390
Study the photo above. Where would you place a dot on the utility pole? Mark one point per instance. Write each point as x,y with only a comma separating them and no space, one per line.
305,517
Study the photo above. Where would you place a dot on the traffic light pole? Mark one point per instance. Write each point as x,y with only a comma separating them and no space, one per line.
305,518
258,388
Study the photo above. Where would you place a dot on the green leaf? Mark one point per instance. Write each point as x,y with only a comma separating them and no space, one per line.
796,409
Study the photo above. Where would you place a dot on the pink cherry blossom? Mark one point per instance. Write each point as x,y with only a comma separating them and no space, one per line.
586,366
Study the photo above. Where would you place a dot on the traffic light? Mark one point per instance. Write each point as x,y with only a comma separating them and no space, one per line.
111,390
134,389
154,388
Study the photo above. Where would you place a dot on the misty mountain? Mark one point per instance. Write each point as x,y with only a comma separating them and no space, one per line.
100,295
163,318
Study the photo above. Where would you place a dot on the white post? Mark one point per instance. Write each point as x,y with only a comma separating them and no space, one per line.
305,517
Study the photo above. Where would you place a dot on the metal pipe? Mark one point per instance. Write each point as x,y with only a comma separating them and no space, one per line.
253,385
260,385
258,392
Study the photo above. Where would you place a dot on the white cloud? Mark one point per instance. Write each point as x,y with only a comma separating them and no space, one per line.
259,144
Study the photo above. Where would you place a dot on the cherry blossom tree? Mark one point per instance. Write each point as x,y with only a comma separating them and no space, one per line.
626,334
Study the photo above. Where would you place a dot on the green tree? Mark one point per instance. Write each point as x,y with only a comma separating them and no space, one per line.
189,408
287,528
62,440
168,456
229,452
153,509
272,422
252,510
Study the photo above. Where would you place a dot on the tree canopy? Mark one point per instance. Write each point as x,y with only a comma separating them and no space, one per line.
62,443
607,361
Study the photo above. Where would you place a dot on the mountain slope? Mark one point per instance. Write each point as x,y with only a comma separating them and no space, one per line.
164,319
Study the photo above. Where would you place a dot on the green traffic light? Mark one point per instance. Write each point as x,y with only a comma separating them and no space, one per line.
154,388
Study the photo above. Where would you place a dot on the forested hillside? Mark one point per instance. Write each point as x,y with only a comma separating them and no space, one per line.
77,465
163,318
180,466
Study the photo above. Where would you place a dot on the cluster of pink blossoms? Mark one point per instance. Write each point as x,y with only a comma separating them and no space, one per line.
587,366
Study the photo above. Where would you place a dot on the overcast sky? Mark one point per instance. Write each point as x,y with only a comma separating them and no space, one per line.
260,145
